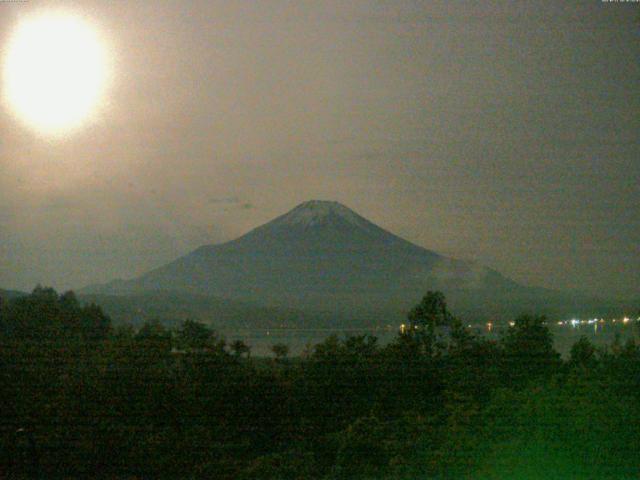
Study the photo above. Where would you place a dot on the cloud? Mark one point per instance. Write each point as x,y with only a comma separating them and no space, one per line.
231,203
224,200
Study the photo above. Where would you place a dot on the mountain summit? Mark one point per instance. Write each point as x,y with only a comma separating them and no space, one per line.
320,255
319,213
316,227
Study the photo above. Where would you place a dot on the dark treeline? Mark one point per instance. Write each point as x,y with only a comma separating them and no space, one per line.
82,399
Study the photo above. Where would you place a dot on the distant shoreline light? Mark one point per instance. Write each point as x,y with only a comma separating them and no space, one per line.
574,323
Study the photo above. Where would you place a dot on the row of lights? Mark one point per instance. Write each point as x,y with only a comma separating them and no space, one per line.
573,322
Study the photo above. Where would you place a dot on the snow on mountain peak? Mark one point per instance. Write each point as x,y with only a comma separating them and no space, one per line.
316,212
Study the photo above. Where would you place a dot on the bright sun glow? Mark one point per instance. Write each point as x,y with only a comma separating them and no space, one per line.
55,72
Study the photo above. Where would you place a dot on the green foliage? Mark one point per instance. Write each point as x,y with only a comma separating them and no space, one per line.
239,348
123,404
528,348
426,317
578,429
153,338
363,452
583,353
280,350
290,465
193,335
45,316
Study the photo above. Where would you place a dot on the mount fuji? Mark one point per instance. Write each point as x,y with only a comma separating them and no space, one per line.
323,256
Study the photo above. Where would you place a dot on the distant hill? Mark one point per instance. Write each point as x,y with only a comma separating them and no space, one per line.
10,294
171,308
323,257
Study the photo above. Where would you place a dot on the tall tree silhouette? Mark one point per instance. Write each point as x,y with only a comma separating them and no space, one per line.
426,317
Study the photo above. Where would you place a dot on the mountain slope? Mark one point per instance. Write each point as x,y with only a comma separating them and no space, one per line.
320,255
11,294
171,308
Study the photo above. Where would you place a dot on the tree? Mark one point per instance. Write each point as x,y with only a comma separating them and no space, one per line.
239,348
45,316
583,353
577,428
2,315
95,325
363,450
280,350
528,347
124,332
329,349
425,317
152,330
154,336
194,335
361,346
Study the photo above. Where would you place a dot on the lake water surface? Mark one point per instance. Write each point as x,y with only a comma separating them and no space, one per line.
298,340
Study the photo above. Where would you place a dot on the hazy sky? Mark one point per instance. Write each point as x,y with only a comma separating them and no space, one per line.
507,132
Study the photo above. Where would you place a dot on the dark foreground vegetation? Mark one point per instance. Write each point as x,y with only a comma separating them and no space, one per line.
82,399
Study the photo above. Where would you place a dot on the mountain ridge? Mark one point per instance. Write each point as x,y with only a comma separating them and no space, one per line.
319,255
